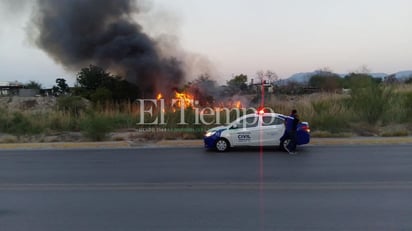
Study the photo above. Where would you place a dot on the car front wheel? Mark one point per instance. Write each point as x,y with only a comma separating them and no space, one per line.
222,145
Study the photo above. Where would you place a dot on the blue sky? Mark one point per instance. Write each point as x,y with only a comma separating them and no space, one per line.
245,36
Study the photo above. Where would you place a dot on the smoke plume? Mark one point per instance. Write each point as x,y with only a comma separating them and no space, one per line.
77,33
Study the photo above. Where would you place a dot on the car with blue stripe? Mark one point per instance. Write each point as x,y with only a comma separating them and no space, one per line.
254,130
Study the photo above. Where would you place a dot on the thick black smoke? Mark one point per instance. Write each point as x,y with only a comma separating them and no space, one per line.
76,33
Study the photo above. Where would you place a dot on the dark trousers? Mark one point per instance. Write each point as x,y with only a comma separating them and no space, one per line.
293,141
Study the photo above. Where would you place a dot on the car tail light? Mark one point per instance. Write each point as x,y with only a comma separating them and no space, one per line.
305,127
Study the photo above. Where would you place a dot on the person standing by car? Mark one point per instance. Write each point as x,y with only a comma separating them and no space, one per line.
291,131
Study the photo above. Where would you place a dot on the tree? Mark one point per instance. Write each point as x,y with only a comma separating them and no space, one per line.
62,88
204,89
122,89
96,84
237,84
326,81
359,80
364,69
269,76
92,77
101,95
33,85
409,80
391,79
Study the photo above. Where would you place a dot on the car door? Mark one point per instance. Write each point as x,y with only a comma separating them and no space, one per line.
273,128
245,131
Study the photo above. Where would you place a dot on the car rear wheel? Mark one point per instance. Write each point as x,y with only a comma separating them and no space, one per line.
222,145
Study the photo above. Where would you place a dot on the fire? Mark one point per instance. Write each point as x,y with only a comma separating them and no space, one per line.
159,96
185,98
182,99
238,104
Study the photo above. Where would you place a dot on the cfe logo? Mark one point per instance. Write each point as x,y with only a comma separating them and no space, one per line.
244,137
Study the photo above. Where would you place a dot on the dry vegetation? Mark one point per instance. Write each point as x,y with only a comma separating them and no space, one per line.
384,111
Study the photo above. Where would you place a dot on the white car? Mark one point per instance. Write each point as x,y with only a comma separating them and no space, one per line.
260,129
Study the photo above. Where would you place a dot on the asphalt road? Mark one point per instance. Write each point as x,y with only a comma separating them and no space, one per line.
322,188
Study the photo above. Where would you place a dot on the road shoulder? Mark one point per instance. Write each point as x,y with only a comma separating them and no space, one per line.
194,143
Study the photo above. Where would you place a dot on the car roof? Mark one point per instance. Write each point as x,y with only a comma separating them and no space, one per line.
264,114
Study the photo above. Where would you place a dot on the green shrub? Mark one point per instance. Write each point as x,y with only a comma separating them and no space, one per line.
61,121
3,119
370,102
331,116
73,105
123,121
18,123
407,105
101,94
95,127
395,110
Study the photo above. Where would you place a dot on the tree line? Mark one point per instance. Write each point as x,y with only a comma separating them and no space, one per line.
96,84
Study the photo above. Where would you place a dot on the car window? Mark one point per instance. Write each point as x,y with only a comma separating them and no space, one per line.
271,120
248,122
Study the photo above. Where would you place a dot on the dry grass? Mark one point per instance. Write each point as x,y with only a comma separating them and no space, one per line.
7,139
395,130
330,115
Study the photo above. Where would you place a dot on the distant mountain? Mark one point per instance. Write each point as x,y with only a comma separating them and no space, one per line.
403,75
304,77
378,75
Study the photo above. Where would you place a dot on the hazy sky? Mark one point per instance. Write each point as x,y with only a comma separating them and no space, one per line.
245,36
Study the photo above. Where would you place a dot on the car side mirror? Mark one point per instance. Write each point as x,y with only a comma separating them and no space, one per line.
234,126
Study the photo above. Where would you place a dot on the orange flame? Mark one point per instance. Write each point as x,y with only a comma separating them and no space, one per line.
238,104
159,96
185,98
